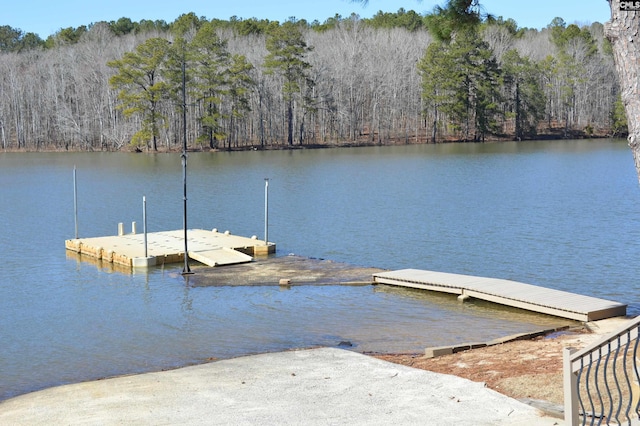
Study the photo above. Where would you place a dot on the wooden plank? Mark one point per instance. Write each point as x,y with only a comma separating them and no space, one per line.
506,292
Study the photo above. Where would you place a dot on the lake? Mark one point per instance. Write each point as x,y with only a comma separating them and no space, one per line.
560,214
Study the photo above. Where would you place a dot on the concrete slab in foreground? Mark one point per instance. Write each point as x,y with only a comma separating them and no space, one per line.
317,386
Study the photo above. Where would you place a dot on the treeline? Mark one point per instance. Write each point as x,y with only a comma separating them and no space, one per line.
256,83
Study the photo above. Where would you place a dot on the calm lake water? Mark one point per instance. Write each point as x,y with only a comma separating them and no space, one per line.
561,214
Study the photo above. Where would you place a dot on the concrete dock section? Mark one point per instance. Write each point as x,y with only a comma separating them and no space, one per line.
211,248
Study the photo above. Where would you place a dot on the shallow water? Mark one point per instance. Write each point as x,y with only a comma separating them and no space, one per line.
562,214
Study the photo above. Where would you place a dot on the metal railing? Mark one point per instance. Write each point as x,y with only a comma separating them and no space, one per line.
601,381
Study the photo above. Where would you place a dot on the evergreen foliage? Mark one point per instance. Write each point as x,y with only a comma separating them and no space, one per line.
287,50
15,40
141,88
525,99
619,125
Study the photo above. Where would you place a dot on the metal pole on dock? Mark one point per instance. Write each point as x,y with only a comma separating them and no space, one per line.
183,157
75,201
266,211
144,223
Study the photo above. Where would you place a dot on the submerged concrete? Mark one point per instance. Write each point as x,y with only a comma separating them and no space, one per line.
316,386
288,270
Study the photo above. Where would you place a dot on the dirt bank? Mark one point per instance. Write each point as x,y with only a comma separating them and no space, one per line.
520,369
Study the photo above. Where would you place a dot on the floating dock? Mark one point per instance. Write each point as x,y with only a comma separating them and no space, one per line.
506,292
211,248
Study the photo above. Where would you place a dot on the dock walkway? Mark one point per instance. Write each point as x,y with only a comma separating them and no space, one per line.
506,292
212,248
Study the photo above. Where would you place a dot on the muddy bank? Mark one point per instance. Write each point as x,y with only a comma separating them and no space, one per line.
528,370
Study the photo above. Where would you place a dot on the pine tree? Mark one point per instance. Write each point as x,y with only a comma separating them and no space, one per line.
287,50
141,88
433,68
211,61
524,96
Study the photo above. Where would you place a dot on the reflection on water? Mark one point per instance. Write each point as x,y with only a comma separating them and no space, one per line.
480,309
564,215
101,265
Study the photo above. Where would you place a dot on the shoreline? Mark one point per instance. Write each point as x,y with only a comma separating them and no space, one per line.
529,370
393,142
304,384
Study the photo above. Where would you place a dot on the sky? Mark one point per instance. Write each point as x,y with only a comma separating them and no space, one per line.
46,17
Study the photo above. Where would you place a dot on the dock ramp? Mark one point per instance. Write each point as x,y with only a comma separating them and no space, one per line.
506,292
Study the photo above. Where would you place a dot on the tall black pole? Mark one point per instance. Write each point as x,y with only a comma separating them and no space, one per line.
183,157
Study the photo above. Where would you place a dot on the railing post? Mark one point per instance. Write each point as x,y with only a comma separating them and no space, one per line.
571,415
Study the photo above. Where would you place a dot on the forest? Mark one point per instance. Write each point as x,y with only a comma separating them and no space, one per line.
396,78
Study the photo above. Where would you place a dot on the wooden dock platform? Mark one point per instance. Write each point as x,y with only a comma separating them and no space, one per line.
212,248
506,292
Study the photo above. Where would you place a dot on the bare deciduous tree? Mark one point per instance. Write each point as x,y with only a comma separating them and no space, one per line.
366,88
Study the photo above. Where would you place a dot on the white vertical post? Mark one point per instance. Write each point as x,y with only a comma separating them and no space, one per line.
144,223
75,200
266,211
571,415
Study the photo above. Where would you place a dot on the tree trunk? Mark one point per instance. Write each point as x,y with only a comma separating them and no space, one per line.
623,31
301,136
518,129
290,122
434,129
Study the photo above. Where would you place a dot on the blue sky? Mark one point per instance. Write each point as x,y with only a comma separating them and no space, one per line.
47,17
